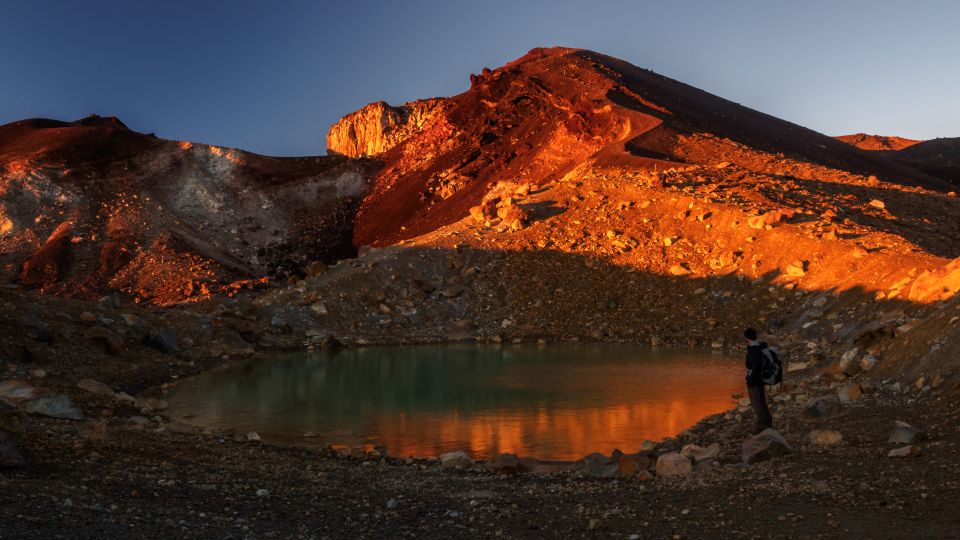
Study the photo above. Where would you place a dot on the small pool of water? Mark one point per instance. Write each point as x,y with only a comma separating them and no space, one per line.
553,402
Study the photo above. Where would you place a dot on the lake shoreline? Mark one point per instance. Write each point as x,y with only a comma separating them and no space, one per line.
108,475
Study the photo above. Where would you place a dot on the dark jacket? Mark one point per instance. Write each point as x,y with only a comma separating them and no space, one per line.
754,363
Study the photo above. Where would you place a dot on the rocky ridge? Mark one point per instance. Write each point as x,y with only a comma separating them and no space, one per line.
90,208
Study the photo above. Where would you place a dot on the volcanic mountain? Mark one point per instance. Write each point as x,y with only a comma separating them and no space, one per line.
540,117
864,141
90,207
571,196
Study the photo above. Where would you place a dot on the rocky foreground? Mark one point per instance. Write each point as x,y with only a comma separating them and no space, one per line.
836,466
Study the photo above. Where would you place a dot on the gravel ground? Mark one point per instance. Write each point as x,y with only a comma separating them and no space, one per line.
93,480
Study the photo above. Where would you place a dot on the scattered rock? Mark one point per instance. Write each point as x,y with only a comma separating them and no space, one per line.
820,407
456,460
906,451
507,464
797,269
111,341
903,433
164,340
54,406
765,445
673,464
13,392
699,453
868,362
598,465
797,366
633,464
825,437
95,387
851,392
850,361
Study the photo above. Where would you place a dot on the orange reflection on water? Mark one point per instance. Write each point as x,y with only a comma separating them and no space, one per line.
563,434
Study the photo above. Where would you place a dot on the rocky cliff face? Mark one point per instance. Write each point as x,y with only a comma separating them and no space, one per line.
91,207
379,127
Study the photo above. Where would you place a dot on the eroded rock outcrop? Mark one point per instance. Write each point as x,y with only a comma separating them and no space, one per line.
91,207
379,127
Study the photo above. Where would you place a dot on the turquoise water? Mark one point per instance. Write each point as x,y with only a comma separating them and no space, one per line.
554,402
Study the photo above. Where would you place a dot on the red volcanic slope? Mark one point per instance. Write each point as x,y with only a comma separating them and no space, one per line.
864,141
537,118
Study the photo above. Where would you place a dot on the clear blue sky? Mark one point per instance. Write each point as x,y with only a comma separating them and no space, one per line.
272,76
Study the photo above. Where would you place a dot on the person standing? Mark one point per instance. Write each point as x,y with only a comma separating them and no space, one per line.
755,385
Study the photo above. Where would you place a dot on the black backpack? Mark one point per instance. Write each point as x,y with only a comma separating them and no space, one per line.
771,371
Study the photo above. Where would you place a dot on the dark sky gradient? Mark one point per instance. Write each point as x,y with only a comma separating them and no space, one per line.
272,76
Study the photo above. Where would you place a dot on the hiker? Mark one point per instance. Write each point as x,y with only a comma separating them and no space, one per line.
755,382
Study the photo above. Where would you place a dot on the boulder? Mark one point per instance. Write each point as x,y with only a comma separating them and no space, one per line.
13,392
823,406
699,453
456,460
673,464
598,465
849,393
330,343
506,464
936,285
903,433
793,367
54,406
868,362
633,464
95,387
905,451
825,437
756,222
765,445
9,455
850,361
797,269
164,340
476,212
110,340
